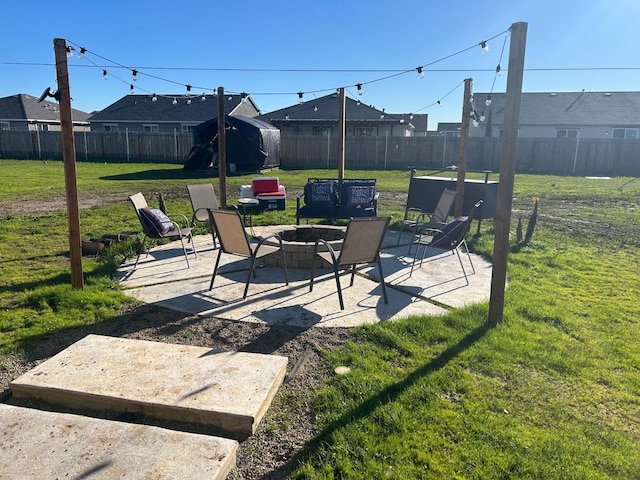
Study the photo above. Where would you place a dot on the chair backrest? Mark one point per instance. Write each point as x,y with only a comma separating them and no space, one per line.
202,196
363,240
138,201
443,208
231,233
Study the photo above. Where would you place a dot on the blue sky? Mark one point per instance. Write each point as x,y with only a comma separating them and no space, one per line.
321,46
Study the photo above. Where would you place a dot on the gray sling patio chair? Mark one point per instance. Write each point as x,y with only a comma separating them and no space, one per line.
416,218
202,196
449,238
235,241
361,245
156,225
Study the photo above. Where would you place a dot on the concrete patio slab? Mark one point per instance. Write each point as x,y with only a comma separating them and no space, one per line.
439,285
230,390
44,445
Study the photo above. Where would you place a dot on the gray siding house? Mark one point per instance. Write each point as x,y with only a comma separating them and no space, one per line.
319,116
564,115
167,113
23,113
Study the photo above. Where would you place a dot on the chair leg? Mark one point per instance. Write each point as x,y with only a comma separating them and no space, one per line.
337,275
215,269
353,274
252,267
462,266
284,267
384,288
469,256
184,250
140,250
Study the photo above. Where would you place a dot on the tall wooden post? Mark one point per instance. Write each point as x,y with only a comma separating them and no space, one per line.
69,157
464,141
341,133
507,170
222,149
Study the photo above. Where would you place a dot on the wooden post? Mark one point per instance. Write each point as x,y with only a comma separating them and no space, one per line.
69,157
464,140
507,170
222,149
341,134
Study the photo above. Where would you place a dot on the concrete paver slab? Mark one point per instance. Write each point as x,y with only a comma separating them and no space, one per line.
45,445
230,390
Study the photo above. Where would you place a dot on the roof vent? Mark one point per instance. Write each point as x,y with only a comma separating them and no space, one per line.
553,94
607,94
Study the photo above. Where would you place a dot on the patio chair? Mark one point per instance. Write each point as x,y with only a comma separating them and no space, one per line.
449,238
234,240
202,196
361,245
415,217
156,225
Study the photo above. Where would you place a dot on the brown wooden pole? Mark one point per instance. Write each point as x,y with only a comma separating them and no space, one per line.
222,149
69,157
464,141
508,156
341,134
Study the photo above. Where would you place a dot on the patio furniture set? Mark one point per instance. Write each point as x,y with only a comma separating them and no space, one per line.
323,198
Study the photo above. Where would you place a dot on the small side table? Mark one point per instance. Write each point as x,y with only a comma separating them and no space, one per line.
247,207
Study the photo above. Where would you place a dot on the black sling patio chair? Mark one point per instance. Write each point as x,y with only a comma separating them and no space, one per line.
449,238
361,245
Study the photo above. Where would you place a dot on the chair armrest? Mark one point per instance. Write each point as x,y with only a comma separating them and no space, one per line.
184,217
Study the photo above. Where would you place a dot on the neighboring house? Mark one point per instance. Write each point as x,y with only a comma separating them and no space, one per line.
563,115
319,116
167,113
23,113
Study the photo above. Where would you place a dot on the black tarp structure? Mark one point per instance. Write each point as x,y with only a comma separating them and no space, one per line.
252,145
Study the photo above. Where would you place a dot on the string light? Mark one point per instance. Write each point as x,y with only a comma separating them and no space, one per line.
82,52
131,89
487,102
359,87
175,101
154,98
204,97
485,47
134,75
104,74
69,51
300,99
498,70
420,72
243,97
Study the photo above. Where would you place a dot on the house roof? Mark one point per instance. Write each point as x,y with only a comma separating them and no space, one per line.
23,107
326,109
142,108
568,108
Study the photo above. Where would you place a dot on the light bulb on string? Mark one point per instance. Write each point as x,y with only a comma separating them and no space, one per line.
498,70
359,87
411,116
487,102
134,75
243,97
420,72
485,47
82,52
204,97
69,51
131,89
482,117
104,74
300,99
315,108
439,102
154,98
175,101
188,100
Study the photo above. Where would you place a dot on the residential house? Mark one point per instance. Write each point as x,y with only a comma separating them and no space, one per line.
167,113
562,115
24,113
320,116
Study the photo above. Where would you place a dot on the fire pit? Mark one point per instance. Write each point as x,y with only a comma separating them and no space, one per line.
298,243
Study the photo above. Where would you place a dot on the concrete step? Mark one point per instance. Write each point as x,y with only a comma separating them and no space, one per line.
229,390
44,445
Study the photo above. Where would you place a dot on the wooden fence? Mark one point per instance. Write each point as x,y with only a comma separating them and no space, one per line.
559,156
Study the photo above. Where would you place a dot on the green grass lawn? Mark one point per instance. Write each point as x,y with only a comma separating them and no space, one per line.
553,392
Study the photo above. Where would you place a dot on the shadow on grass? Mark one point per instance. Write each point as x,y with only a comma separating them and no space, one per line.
385,396
177,174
